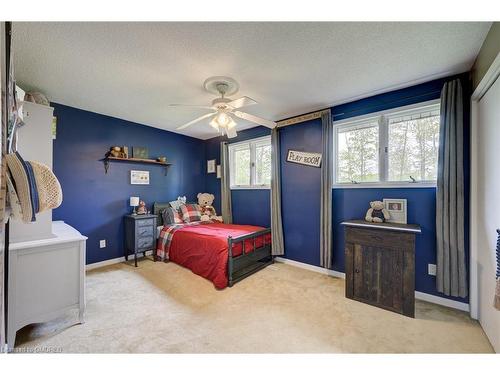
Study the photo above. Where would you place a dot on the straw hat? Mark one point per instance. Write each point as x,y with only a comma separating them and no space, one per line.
36,186
49,189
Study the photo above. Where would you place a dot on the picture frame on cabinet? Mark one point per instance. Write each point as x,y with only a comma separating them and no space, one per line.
397,209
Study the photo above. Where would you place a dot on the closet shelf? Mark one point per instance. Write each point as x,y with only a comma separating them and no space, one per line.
109,159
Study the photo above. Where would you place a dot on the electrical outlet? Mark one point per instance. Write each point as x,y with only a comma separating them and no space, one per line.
431,269
102,244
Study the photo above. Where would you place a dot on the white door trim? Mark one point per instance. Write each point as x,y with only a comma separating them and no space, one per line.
488,80
482,88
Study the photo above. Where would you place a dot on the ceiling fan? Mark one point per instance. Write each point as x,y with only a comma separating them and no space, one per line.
224,109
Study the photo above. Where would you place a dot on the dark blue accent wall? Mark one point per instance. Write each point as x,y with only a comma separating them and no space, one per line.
300,193
94,202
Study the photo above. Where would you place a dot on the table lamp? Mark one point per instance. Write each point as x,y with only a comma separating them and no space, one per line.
134,202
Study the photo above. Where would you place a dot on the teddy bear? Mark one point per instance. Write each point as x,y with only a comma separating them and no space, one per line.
377,212
142,210
205,201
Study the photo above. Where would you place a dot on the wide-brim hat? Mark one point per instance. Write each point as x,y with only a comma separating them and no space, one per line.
36,186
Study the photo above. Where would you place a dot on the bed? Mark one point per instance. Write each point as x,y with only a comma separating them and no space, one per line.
221,253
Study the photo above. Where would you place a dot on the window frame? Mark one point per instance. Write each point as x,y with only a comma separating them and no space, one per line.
382,118
252,144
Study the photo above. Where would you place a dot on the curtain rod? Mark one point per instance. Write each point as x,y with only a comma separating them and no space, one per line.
301,118
317,114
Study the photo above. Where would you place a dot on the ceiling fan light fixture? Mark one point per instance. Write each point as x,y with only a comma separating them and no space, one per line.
224,108
222,121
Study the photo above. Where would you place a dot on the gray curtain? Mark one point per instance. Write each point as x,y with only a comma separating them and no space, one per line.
276,222
227,211
326,190
451,277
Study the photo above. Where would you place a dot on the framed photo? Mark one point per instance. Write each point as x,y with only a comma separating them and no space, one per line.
139,177
140,152
211,166
219,171
397,210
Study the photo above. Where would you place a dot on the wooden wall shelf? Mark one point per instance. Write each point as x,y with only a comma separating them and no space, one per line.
109,159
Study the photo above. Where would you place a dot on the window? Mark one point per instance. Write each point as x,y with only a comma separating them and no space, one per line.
358,153
250,164
397,146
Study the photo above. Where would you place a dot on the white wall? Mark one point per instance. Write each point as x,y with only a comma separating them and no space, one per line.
487,198
35,143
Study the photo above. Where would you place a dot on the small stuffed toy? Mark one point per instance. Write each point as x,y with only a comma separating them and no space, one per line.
141,210
205,201
377,212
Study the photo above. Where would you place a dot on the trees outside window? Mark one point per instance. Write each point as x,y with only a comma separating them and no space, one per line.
250,164
400,145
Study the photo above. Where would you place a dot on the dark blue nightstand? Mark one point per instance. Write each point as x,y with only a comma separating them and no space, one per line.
140,234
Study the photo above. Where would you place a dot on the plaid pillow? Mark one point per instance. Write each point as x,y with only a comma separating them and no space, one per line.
190,212
171,216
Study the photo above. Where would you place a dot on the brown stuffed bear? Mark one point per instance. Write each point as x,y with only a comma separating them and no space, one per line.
205,201
377,212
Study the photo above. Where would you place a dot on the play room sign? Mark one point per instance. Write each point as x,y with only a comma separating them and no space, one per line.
311,159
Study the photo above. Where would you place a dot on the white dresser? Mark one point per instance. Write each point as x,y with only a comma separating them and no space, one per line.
46,279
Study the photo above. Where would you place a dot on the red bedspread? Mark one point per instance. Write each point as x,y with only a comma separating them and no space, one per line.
203,248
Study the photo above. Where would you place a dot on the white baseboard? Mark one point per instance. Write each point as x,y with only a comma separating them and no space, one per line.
418,295
442,301
108,262
310,267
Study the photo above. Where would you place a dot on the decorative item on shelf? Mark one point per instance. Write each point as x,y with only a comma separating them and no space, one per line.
142,210
117,152
162,159
377,213
134,202
397,210
140,152
139,177
211,166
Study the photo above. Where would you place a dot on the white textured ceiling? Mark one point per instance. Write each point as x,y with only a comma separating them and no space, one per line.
134,70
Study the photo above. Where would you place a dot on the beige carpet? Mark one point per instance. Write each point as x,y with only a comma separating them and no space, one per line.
162,307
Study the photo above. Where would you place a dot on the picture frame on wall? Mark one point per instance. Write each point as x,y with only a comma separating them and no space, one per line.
211,166
139,177
140,152
397,209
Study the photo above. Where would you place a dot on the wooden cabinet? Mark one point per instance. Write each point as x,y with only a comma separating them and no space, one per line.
380,264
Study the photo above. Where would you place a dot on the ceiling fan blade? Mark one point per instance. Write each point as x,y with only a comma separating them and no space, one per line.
241,102
190,106
196,120
255,119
